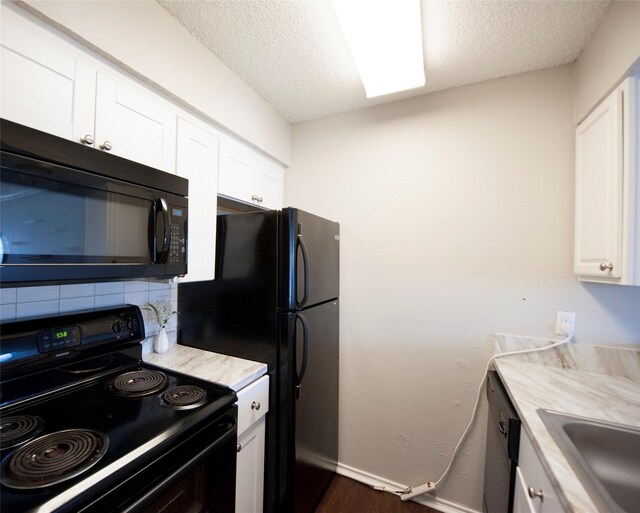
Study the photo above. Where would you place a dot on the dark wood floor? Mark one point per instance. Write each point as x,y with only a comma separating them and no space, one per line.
345,495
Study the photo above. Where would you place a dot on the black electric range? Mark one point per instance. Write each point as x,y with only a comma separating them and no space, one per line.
85,425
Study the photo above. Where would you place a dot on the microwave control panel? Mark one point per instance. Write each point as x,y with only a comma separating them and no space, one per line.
178,237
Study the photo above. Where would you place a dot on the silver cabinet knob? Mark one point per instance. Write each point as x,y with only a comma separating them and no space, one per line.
86,139
533,493
606,267
255,405
260,199
106,146
254,197
238,447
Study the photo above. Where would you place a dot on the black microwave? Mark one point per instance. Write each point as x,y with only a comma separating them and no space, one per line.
73,213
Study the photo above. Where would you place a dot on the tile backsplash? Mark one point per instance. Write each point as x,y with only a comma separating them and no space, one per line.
22,302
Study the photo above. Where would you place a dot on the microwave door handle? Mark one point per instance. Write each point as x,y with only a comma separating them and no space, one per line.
153,217
163,252
305,353
305,263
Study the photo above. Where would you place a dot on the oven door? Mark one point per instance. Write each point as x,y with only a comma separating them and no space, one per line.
196,476
59,224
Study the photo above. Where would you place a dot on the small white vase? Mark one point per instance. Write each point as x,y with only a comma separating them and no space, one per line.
161,342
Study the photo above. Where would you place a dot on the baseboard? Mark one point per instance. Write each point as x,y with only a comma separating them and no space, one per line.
441,505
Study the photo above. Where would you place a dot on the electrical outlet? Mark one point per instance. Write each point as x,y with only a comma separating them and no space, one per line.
565,323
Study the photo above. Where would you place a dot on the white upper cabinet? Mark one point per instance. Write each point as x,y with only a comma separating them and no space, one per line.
269,180
606,229
237,170
134,125
197,160
51,84
43,85
246,176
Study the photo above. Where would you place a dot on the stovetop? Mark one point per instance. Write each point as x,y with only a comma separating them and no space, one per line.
115,435
135,427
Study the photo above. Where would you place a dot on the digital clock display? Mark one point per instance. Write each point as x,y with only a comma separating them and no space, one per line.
59,339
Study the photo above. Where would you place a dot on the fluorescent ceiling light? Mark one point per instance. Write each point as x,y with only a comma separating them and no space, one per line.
385,38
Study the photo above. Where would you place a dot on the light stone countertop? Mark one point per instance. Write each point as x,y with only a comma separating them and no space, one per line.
235,373
587,394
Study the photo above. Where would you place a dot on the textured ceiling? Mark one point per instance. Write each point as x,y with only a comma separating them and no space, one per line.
295,56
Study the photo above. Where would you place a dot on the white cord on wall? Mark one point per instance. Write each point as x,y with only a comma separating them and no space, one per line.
431,486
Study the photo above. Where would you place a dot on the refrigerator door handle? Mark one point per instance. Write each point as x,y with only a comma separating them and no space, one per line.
305,353
305,262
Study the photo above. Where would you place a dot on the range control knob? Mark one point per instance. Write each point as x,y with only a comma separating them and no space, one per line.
117,327
131,324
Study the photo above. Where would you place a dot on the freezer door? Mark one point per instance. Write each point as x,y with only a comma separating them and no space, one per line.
310,260
315,403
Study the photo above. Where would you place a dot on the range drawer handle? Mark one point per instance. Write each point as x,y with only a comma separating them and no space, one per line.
255,405
533,493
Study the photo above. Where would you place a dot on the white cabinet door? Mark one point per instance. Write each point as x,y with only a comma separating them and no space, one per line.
133,125
531,477
237,172
598,236
269,181
250,469
197,161
253,405
249,177
43,84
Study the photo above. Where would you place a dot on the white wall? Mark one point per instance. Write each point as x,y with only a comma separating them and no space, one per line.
146,40
456,212
612,50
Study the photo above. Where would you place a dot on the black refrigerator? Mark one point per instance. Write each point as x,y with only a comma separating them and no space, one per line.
275,300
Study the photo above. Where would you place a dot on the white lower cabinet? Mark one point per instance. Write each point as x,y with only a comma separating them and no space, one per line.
250,469
534,493
253,404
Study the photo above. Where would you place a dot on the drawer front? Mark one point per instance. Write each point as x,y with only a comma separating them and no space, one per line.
253,403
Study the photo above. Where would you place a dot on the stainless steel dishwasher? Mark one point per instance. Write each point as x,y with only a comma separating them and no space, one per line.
503,441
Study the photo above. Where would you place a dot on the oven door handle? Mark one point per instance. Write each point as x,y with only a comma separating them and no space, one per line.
178,474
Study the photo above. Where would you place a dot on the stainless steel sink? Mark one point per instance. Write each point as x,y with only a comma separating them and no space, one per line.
606,456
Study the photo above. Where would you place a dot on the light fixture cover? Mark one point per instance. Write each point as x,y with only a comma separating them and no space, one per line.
385,38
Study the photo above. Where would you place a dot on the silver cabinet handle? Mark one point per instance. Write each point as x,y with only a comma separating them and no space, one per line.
255,405
238,447
533,493
106,146
86,139
606,267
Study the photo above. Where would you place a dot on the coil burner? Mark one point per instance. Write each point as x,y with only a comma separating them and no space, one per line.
183,397
53,458
138,383
19,429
